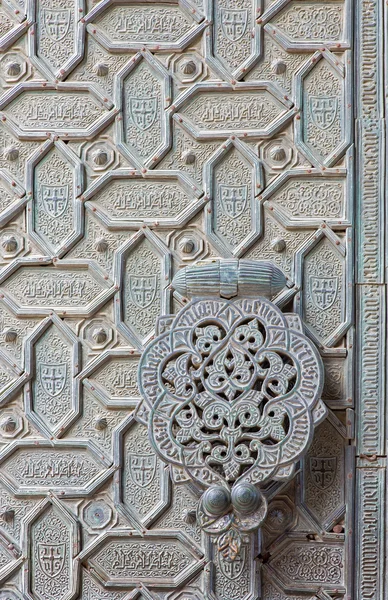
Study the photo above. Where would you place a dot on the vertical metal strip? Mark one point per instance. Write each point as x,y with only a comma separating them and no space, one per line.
371,303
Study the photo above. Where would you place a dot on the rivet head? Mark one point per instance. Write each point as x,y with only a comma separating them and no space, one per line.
245,497
278,67
100,157
9,243
101,245
13,69
101,69
10,334
278,244
99,335
277,515
100,423
216,500
188,157
277,153
11,153
189,67
186,245
8,515
9,424
189,516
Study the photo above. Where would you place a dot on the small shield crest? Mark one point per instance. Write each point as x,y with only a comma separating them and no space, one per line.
142,468
232,569
323,110
323,291
55,199
142,289
323,471
56,23
53,378
233,23
143,112
233,199
51,558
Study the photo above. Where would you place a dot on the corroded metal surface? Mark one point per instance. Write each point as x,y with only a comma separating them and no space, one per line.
139,142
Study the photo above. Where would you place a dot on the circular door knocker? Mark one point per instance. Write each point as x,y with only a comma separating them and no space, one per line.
234,392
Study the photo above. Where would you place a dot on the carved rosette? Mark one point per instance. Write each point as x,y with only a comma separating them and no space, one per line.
234,391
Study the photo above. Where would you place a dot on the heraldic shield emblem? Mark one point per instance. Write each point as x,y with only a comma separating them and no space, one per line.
142,112
323,291
233,23
55,199
233,199
56,23
51,558
53,378
142,468
323,471
232,569
142,289
323,110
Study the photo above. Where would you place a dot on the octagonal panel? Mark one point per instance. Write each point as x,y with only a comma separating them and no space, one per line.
56,41
13,68
323,131
77,111
52,359
237,578
156,558
142,483
233,177
142,94
127,199
306,197
34,287
322,490
51,541
303,565
143,270
69,468
324,303
234,43
210,111
155,25
311,25
97,514
55,181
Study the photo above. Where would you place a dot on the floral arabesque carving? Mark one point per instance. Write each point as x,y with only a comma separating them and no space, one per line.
234,393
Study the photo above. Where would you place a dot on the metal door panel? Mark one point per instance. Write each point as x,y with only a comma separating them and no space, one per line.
138,139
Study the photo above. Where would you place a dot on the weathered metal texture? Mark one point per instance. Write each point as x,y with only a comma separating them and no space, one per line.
137,139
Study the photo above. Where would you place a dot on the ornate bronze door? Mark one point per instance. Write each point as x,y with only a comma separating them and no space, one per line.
192,300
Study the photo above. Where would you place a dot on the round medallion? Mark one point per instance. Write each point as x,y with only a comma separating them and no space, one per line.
245,497
216,500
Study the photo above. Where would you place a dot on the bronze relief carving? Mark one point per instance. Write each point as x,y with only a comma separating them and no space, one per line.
192,300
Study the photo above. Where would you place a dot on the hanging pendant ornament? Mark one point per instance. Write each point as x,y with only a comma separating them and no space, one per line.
233,388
